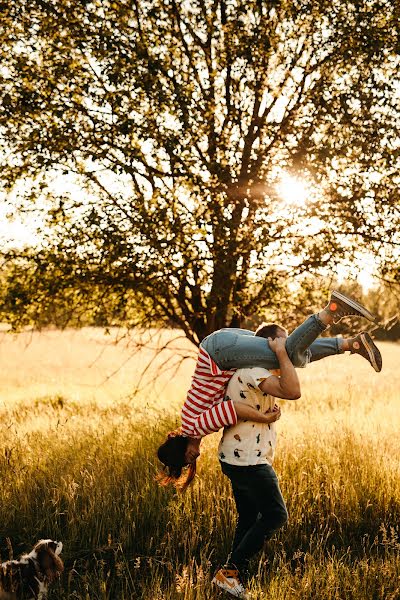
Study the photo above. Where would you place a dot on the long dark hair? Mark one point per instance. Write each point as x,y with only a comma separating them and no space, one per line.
172,454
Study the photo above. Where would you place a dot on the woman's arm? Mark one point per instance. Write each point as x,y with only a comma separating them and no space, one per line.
248,413
213,419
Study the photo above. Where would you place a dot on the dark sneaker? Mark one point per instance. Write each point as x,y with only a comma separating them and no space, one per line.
229,581
364,346
341,306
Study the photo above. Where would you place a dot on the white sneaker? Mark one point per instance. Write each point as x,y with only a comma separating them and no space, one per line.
228,580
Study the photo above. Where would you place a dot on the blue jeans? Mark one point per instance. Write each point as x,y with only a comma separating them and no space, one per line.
234,348
260,506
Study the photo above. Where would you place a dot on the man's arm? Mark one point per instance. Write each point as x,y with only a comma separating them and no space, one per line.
286,386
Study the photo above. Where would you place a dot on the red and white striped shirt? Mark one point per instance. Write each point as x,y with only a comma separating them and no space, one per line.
205,409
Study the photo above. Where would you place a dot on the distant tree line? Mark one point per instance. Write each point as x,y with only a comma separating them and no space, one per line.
383,301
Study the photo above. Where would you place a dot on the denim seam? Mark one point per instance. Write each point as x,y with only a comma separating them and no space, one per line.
320,323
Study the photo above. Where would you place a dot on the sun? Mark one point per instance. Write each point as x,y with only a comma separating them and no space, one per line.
293,190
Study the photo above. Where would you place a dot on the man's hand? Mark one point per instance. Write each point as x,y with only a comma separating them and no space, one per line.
277,344
287,385
274,415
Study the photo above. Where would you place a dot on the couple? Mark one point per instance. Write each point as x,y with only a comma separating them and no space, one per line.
247,410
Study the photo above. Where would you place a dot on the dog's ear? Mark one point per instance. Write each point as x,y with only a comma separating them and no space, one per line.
50,564
55,546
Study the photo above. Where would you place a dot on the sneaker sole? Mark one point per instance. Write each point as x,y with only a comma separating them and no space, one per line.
353,304
224,587
375,356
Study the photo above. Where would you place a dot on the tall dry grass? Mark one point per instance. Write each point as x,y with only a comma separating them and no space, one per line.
77,463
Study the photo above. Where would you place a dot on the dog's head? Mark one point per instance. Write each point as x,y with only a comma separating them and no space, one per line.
47,555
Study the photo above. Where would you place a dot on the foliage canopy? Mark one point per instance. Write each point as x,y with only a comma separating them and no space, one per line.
176,119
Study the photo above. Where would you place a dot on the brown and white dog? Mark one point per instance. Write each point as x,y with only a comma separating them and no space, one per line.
30,576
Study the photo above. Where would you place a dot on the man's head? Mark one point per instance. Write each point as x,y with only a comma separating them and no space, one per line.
271,330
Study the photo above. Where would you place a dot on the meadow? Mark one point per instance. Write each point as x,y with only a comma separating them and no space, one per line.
77,463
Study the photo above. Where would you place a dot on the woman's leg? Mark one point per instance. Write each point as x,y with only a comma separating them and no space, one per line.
324,347
234,350
362,344
300,340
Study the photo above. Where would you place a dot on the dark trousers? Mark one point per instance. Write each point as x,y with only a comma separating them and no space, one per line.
260,506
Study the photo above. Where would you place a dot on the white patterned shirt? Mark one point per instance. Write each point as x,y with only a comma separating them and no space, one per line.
249,443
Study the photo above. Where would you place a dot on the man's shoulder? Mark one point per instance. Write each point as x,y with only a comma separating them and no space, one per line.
252,373
248,378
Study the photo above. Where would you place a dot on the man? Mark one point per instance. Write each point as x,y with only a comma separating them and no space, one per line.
246,453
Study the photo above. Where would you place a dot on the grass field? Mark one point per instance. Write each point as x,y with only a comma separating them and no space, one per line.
77,463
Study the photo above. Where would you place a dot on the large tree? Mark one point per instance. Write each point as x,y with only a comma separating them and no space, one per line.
176,119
